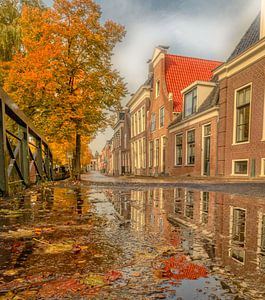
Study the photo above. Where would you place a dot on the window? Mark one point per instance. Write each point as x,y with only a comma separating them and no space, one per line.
144,153
178,201
178,150
242,114
125,140
262,244
135,124
132,133
189,204
157,88
238,234
151,153
140,153
190,103
191,147
161,117
205,207
240,167
139,121
143,118
156,152
262,171
153,122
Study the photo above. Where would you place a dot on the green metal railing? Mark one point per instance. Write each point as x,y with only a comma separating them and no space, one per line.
25,157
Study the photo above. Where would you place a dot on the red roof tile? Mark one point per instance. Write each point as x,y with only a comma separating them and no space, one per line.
182,71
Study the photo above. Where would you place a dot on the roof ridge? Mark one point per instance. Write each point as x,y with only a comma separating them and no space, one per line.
192,57
249,38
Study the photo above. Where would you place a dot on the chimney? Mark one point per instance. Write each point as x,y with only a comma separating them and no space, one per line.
262,20
150,68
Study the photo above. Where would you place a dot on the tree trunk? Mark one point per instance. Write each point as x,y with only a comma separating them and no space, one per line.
78,157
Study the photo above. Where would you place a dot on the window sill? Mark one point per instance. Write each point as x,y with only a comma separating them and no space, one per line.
242,143
190,165
240,175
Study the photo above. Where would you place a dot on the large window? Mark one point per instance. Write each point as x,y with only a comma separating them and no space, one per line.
161,117
143,118
189,204
132,133
135,124
151,153
205,207
242,114
139,121
156,152
191,147
262,244
238,235
144,153
140,153
153,122
240,167
179,150
157,88
190,103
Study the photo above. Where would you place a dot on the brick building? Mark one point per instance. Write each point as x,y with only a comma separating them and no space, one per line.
138,107
121,144
241,130
192,139
171,74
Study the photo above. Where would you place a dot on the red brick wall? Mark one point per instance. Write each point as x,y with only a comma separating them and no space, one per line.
155,105
195,170
255,149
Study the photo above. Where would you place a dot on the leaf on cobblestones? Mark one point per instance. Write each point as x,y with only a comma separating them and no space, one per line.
113,276
94,280
179,268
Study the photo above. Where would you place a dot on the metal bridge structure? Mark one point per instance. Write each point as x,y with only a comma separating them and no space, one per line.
25,156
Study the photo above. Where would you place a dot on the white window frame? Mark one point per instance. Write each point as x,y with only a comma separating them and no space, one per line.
233,167
153,121
231,231
262,166
143,117
157,90
156,153
193,129
151,163
261,215
175,149
235,114
162,107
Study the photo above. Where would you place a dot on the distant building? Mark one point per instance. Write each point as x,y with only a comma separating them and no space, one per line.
121,144
139,106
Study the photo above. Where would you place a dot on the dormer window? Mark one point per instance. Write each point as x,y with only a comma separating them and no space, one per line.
190,103
157,88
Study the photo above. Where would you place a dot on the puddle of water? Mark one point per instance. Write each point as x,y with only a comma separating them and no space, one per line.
166,243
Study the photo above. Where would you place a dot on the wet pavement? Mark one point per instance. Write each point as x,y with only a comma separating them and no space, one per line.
95,242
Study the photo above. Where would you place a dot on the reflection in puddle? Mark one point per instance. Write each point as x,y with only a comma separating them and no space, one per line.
171,243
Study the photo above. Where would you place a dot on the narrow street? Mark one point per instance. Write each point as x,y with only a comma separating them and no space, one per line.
85,241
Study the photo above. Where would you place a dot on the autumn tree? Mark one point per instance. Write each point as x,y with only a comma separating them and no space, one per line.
64,78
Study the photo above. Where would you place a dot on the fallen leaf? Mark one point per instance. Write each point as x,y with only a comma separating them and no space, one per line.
94,280
113,276
11,272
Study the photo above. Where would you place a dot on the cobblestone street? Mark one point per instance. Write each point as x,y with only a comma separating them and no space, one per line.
131,241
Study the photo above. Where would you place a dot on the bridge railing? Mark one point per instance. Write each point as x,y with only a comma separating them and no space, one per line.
25,157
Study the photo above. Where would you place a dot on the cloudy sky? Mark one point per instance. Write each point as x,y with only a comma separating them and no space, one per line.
200,28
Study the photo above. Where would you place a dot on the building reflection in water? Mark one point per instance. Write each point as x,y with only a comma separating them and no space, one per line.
227,229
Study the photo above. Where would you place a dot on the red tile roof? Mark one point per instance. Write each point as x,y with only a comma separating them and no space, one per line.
182,71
